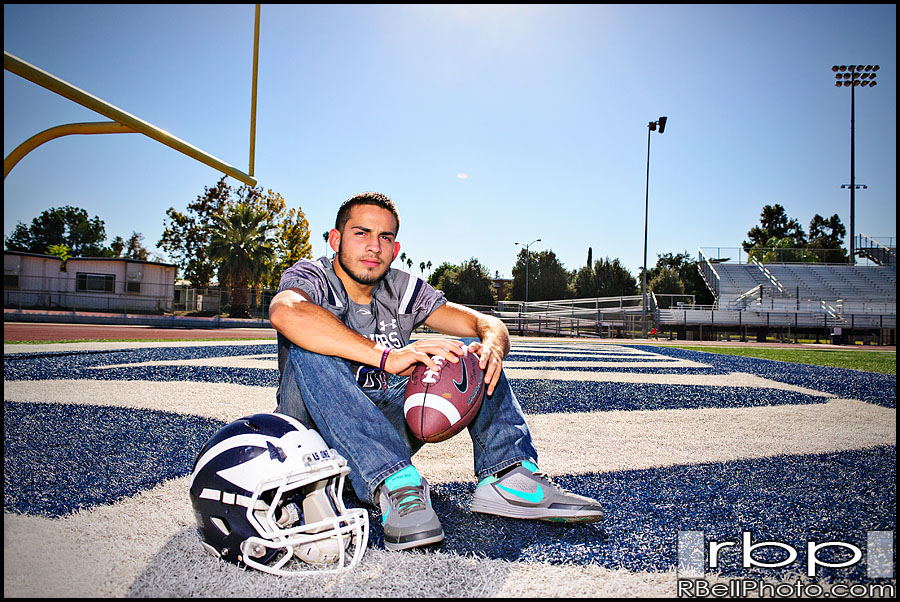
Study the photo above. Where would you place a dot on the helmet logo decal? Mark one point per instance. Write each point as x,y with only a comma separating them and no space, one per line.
275,452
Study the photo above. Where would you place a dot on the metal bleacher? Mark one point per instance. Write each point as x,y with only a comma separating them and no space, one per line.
818,295
845,302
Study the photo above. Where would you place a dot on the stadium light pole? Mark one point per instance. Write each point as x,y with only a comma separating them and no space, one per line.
527,261
651,127
851,77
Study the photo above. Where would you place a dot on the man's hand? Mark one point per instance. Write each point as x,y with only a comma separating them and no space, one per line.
460,321
491,361
402,361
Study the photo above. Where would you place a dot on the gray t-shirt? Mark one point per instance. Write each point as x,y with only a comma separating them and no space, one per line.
400,303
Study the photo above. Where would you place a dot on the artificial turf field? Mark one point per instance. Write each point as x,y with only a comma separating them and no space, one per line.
99,440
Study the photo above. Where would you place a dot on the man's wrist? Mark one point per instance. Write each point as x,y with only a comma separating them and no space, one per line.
384,356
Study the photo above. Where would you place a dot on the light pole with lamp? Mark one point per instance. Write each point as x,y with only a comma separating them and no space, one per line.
527,261
851,77
652,126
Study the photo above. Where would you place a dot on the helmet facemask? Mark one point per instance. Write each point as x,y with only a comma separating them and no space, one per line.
320,531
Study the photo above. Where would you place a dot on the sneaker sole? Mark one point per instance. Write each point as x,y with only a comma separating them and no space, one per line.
412,540
537,513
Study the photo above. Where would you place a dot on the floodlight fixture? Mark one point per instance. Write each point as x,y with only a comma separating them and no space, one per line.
851,77
652,127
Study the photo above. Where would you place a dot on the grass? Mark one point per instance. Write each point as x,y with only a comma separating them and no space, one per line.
883,362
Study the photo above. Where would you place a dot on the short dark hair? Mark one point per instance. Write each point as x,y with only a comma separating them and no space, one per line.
365,198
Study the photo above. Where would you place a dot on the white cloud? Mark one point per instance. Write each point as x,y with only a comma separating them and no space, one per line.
462,176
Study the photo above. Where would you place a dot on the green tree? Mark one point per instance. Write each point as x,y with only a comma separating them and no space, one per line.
614,279
665,282
607,278
435,278
70,226
688,273
547,277
133,247
774,223
783,250
826,238
781,239
117,246
292,243
585,283
469,283
240,241
186,236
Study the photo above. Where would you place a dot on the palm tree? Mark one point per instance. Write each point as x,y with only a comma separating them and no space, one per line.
240,241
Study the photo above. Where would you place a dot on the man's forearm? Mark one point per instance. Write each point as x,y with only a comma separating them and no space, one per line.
492,331
316,329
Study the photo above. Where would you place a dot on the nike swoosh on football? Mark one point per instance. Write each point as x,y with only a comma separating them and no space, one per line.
533,497
461,387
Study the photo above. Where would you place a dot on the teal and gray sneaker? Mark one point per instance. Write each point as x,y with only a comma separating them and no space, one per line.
406,513
525,492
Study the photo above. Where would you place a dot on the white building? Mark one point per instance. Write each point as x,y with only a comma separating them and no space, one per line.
87,283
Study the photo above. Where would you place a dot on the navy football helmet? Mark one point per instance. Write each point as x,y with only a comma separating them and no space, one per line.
265,489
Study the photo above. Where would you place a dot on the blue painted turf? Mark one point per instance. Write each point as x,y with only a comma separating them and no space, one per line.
549,396
874,388
62,458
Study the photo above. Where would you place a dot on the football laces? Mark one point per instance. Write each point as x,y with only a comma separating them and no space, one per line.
430,376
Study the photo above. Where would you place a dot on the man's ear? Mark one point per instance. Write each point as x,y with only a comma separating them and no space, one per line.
396,250
334,239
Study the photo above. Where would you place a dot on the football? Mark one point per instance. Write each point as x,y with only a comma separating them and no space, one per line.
440,404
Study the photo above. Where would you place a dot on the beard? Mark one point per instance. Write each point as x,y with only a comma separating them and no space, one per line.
363,276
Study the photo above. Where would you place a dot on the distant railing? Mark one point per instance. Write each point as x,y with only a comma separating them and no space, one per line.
599,316
708,273
883,254
772,255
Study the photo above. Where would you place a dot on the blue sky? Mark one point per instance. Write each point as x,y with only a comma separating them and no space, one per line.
487,125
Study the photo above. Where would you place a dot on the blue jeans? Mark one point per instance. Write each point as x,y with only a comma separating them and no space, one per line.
368,428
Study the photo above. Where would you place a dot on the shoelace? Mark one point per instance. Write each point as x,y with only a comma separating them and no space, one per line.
546,479
408,499
539,474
